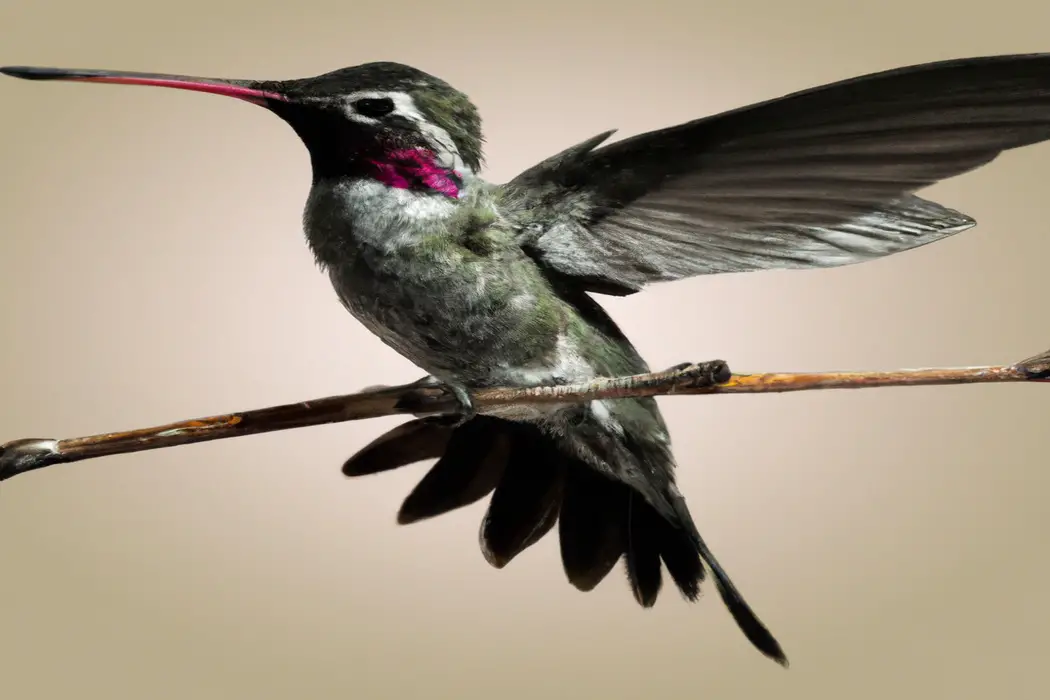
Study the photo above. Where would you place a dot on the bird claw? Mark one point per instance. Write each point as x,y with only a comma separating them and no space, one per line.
467,410
704,373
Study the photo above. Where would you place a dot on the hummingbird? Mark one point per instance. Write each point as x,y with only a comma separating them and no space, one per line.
482,284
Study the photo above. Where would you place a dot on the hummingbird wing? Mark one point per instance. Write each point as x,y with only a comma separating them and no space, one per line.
818,178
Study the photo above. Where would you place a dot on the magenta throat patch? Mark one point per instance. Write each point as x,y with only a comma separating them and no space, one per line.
417,168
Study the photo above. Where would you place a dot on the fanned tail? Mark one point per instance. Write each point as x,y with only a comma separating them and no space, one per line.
536,482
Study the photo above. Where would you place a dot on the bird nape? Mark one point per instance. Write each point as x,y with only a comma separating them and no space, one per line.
483,284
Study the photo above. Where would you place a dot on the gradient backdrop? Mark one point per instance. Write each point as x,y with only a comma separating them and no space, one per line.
152,268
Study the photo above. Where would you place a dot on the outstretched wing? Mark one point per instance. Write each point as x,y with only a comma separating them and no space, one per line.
819,178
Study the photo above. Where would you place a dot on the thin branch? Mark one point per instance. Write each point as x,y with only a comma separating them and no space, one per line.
420,398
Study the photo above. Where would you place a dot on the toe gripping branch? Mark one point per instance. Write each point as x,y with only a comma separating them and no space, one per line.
429,395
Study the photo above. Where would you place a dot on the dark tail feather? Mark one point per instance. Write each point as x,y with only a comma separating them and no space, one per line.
591,526
543,527
745,618
408,443
643,550
537,483
681,559
469,470
525,504
472,459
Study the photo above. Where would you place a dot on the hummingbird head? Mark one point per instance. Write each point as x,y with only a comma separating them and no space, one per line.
381,120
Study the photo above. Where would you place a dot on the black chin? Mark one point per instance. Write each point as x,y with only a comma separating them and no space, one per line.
343,148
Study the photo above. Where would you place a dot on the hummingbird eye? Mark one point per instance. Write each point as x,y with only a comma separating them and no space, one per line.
374,106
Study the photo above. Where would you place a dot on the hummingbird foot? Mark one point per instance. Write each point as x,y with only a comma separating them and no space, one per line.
704,374
467,410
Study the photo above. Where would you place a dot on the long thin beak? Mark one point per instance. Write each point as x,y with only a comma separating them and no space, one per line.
241,89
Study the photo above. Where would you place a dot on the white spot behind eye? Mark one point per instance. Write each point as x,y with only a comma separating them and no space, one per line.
405,106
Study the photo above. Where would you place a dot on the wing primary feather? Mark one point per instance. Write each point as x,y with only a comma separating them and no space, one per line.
818,178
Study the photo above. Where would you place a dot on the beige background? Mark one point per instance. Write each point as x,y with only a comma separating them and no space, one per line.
152,267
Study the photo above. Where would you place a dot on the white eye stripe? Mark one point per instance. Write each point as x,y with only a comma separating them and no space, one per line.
405,106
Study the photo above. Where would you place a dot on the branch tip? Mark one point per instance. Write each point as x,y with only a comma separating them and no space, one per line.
20,456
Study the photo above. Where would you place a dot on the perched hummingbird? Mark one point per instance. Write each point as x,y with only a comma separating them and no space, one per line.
485,285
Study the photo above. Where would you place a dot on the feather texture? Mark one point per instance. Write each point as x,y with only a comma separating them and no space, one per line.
525,504
408,443
591,526
818,178
643,551
469,470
